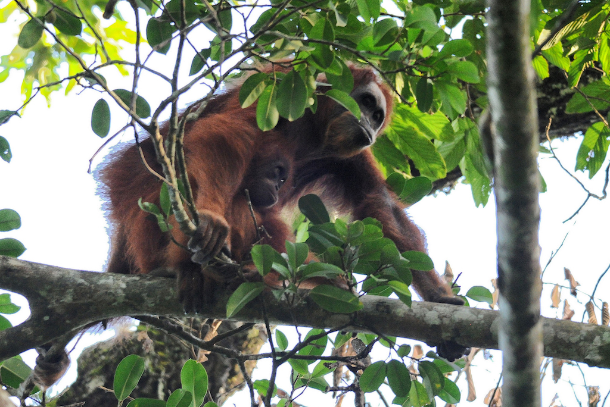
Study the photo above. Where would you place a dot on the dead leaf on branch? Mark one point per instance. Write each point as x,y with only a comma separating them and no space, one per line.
494,397
605,314
557,365
590,307
495,294
555,296
573,282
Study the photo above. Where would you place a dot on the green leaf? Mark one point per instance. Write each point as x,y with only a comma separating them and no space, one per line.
342,338
432,377
316,347
11,247
343,82
199,60
313,208
100,118
252,88
194,379
245,293
67,23
481,294
297,253
555,56
146,402
369,9
127,376
316,269
450,392
451,97
415,189
593,149
384,31
465,70
541,67
5,323
292,96
142,106
403,351
164,200
179,398
5,115
210,404
322,55
299,366
460,48
262,386
281,340
596,97
399,378
345,100
159,35
424,93
418,260
14,371
6,306
334,299
373,376
419,149
400,288
9,220
267,114
263,257
30,34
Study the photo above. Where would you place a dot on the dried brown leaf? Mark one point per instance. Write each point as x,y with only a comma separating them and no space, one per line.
557,365
495,295
567,311
590,307
594,395
605,314
472,393
418,352
555,296
494,397
573,282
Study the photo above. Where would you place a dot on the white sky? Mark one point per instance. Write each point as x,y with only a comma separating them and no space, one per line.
63,225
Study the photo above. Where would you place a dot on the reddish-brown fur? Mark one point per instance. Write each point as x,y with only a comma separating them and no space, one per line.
220,148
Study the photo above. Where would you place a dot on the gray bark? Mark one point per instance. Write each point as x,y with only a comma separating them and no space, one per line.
512,101
143,295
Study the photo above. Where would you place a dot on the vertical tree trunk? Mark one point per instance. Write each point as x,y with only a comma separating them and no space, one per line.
513,106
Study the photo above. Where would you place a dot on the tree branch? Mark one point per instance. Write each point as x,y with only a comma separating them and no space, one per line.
64,300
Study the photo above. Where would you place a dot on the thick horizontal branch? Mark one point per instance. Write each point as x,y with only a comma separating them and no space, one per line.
64,300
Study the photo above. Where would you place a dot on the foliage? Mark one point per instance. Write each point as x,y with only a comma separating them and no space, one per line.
430,52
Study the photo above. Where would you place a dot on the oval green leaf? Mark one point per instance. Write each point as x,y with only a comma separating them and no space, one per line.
267,115
481,294
127,375
433,378
399,378
418,260
145,402
334,299
5,150
281,340
373,376
30,34
424,93
67,23
345,100
100,118
466,71
313,208
415,189
11,247
142,106
263,257
194,379
252,88
450,393
460,48
179,398
9,220
159,35
199,60
292,96
245,293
